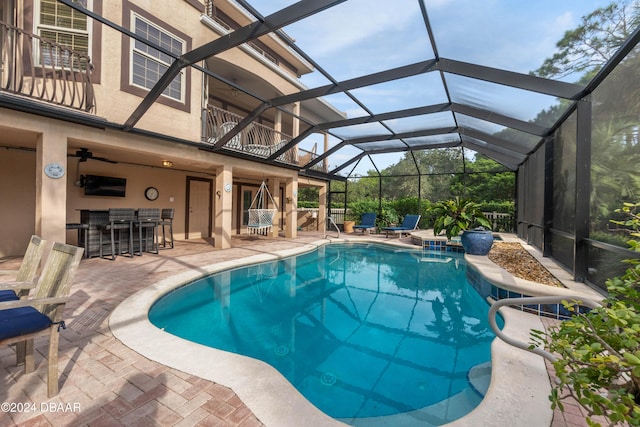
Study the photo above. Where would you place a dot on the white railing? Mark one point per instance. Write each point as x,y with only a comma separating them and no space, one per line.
255,139
493,310
330,221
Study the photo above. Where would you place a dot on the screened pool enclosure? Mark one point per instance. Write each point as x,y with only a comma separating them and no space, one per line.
456,76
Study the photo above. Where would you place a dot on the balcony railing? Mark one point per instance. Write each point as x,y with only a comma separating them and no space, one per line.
256,139
37,68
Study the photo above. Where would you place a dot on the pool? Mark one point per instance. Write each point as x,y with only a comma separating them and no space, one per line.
363,331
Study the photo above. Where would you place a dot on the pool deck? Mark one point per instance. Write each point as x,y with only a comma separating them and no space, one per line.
105,382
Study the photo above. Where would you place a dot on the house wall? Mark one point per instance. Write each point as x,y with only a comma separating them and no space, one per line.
170,184
28,141
165,117
139,159
17,205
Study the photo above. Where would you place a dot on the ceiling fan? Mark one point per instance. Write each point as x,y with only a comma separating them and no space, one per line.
84,154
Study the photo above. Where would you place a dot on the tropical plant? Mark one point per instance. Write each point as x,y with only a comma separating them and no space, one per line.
599,351
456,215
388,217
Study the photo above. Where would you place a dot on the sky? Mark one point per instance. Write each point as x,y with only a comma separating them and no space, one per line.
360,37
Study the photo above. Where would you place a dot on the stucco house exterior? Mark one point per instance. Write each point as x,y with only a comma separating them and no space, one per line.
73,104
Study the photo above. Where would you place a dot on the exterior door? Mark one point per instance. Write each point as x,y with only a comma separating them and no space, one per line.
199,212
248,194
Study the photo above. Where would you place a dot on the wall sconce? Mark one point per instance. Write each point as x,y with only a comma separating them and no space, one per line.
167,163
288,199
219,194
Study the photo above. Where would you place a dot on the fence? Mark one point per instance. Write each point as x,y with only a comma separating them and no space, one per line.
501,222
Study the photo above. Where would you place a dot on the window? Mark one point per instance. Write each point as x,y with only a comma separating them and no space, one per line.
69,29
149,64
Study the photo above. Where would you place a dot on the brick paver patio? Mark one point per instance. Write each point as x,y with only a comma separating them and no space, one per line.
103,382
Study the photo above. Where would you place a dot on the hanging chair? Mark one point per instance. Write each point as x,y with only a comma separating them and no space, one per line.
261,219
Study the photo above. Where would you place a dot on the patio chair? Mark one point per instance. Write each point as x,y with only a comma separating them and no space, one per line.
409,224
23,320
167,220
367,222
147,221
120,219
25,276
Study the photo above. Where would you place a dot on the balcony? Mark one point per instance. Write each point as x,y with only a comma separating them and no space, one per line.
39,69
256,139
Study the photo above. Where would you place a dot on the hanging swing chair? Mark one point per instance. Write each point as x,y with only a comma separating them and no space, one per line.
260,218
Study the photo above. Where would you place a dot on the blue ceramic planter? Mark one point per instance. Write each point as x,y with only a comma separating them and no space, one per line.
476,242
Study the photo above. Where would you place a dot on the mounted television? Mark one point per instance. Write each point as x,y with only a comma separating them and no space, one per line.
96,185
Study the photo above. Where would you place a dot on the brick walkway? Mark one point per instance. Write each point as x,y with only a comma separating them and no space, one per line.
103,382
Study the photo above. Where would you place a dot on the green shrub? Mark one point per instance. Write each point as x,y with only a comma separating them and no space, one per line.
501,207
388,217
611,238
356,209
599,351
304,204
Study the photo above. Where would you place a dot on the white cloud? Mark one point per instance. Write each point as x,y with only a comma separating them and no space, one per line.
332,31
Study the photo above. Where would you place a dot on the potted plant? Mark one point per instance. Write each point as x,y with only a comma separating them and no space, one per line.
460,215
350,218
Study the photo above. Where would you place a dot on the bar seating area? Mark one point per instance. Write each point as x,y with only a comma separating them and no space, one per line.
146,222
120,221
117,231
166,220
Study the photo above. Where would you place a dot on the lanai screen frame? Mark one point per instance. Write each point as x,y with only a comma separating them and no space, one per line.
499,150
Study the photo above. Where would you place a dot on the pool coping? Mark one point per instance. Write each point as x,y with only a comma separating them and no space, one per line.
518,390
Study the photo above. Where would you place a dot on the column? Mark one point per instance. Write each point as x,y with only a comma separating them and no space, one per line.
277,127
296,120
51,187
274,189
291,208
295,130
322,209
325,162
583,190
223,207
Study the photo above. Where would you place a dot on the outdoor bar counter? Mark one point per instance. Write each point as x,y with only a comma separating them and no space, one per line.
91,225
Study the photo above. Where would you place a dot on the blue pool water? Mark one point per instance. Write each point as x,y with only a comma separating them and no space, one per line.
361,330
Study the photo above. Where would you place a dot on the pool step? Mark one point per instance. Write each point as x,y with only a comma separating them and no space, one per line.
437,414
480,377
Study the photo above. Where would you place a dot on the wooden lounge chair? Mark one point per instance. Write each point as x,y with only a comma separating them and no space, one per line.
24,279
409,224
367,222
41,314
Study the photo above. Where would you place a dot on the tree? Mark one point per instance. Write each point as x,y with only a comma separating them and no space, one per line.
485,181
590,45
441,178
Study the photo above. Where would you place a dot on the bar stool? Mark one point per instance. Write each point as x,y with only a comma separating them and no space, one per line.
120,219
148,219
83,235
167,219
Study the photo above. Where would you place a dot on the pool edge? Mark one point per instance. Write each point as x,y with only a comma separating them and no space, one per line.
275,401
